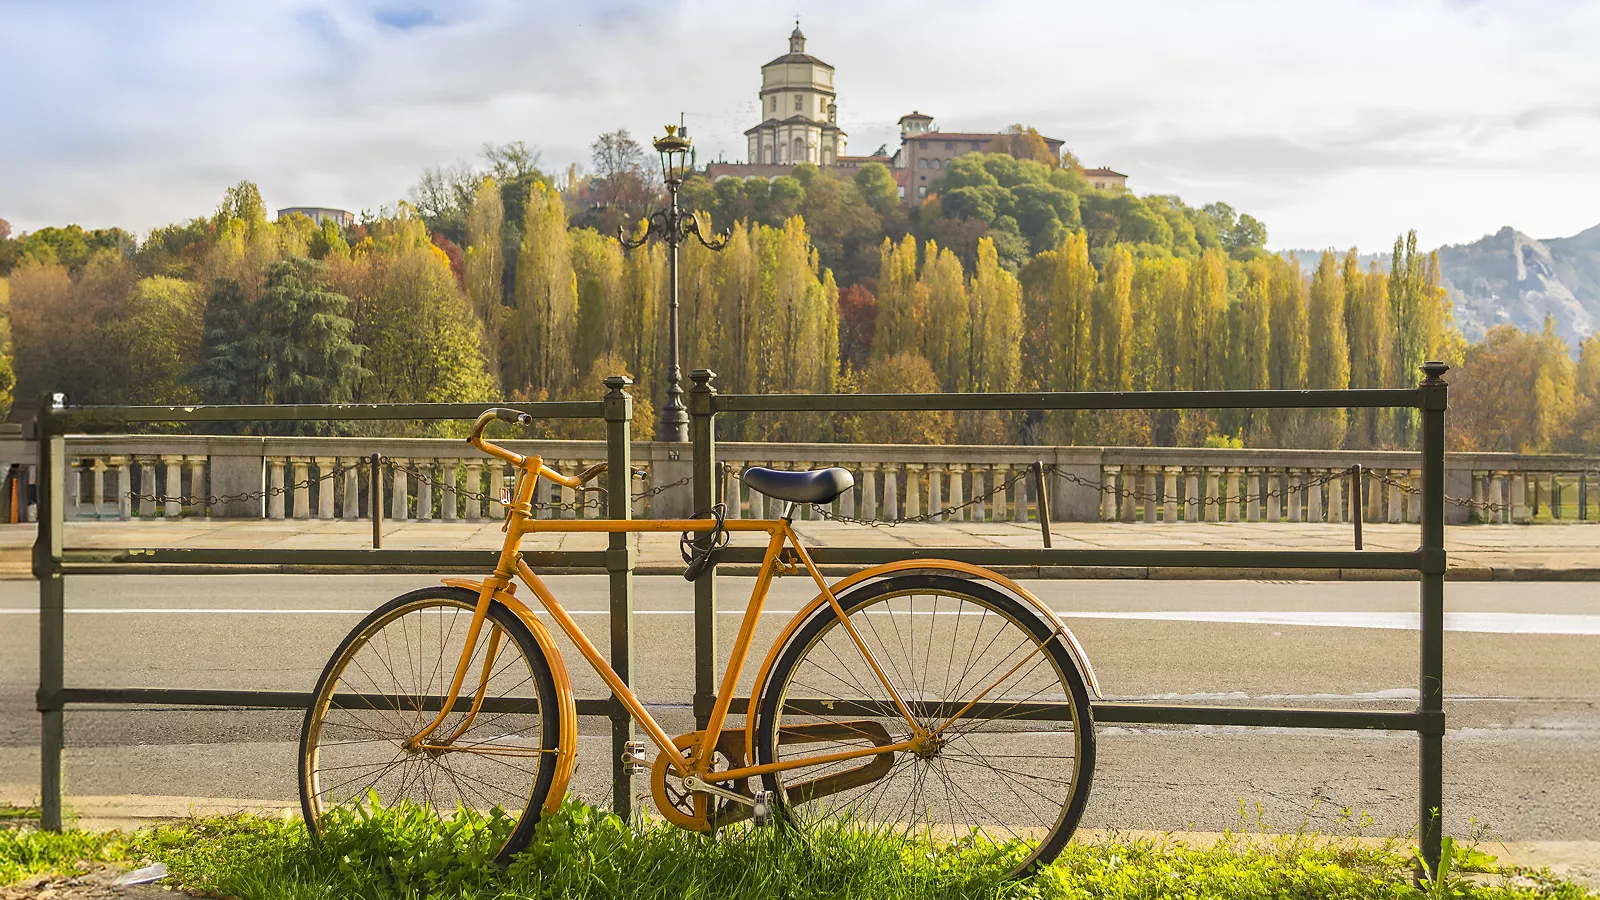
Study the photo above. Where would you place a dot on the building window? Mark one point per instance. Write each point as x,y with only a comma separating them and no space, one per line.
976,147
901,191
938,164
922,145
774,104
922,163
922,190
799,101
949,145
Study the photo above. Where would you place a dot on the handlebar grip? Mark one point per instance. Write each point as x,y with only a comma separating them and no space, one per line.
512,416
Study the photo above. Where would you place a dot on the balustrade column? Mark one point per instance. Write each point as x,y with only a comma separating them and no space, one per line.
474,487
327,483
1555,496
758,501
1169,493
1480,490
730,493
275,486
1374,504
124,486
869,491
1520,514
935,488
1275,485
97,491
1232,495
302,491
957,495
399,505
173,506
913,490
891,491
1191,495
568,496
447,489
1336,503
978,508
1253,495
1395,498
994,480
1294,490
197,484
1214,505
72,479
1149,492
350,507
1313,492
1496,491
1108,492
430,474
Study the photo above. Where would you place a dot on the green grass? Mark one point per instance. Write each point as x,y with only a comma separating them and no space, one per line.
584,853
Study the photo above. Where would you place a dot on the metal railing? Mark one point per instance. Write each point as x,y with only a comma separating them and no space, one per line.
52,562
1427,561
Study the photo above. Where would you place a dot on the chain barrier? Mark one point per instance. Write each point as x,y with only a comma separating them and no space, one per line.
594,503
219,499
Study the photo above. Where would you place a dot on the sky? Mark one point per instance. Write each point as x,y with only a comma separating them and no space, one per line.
1337,124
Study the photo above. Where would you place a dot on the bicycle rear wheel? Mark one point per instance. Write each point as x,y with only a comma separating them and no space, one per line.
1013,770
387,681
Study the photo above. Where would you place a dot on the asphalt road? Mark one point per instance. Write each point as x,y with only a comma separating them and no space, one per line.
1522,677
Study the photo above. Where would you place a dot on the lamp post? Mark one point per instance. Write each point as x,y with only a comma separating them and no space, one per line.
674,226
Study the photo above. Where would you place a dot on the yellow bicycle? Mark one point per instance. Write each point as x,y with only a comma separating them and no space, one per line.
928,698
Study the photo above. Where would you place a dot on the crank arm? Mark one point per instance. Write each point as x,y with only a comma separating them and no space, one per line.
695,783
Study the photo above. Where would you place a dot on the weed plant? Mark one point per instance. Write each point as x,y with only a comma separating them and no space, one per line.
582,852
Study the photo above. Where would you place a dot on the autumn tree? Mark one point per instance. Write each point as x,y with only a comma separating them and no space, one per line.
948,332
1514,392
1328,359
539,330
902,307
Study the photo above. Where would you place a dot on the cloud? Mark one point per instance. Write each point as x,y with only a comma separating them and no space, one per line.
1336,124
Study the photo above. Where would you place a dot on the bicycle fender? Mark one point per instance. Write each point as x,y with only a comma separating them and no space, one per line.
567,738
1068,639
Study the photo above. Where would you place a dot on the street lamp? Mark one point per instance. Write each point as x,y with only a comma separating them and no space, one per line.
673,226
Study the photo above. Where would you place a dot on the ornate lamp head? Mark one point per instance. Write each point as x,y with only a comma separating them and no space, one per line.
674,150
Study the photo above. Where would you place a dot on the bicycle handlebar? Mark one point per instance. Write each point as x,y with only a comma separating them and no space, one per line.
500,414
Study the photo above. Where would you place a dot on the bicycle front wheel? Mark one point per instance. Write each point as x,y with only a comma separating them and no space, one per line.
387,681
1004,748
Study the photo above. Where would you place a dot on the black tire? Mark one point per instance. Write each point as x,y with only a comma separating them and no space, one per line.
537,682
1026,625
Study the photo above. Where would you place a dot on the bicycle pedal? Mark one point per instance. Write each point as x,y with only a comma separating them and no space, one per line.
761,809
633,761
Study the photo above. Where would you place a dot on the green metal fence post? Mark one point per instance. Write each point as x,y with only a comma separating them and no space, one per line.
619,571
52,633
1430,792
703,433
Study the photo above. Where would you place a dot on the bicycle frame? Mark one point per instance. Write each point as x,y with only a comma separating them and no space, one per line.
500,588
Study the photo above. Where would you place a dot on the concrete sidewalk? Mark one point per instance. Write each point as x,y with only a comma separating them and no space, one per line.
1477,552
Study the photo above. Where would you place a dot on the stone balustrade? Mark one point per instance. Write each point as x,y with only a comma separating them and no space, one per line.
165,476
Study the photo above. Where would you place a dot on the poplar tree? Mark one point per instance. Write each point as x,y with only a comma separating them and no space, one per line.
1113,323
949,332
1329,363
484,264
901,307
597,270
541,328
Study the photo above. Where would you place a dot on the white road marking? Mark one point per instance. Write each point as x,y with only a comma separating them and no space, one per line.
1480,622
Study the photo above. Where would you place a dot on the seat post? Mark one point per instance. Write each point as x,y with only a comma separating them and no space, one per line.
788,510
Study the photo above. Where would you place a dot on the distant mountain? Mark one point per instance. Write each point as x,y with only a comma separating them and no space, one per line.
1508,278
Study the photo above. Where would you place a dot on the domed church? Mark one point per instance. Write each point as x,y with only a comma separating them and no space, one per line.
800,108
